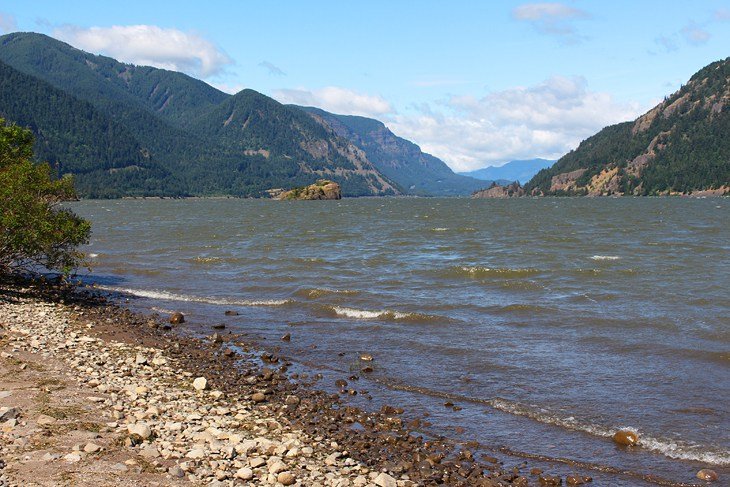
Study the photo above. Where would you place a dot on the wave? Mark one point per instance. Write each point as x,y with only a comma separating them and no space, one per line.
675,449
479,271
314,293
383,315
605,257
168,296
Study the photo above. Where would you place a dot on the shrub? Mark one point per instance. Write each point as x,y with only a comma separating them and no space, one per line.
35,232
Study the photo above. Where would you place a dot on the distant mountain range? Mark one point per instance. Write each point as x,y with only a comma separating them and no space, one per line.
682,145
520,170
126,130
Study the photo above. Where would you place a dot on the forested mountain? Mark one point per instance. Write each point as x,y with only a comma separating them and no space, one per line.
680,146
165,133
399,159
521,171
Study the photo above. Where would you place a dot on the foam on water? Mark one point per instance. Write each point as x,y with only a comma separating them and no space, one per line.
605,257
480,271
384,314
168,296
667,447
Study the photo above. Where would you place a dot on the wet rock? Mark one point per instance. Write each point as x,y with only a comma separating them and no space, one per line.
367,369
341,383
286,337
577,479
200,384
177,318
549,480
626,438
366,357
707,475
535,471
219,326
231,313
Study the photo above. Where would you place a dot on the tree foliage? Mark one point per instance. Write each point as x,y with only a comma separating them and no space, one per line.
35,233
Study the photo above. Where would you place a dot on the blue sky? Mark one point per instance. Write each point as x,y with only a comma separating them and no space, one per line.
475,83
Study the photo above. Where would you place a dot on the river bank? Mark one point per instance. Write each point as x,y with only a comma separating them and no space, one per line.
97,395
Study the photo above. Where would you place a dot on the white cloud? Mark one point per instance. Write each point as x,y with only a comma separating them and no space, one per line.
546,120
554,19
150,45
336,100
272,69
694,34
7,23
228,88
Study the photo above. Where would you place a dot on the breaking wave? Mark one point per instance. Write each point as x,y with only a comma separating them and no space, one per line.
168,296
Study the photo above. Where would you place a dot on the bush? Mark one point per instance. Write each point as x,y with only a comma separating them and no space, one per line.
35,233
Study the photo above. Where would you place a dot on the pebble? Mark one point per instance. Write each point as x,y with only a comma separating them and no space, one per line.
244,473
626,438
286,478
385,480
92,448
258,397
200,384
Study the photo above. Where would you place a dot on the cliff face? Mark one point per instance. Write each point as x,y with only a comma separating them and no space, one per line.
321,190
679,146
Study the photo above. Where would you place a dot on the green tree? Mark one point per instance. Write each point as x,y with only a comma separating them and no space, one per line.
35,232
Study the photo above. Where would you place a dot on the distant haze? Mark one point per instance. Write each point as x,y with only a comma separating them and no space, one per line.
521,171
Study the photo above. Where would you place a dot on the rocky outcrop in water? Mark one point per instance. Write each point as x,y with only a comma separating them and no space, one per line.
498,191
323,189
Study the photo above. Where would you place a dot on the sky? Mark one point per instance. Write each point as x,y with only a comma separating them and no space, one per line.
475,83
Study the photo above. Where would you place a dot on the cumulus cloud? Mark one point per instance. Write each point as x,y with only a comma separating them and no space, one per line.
7,23
271,68
556,19
546,120
694,34
150,45
337,100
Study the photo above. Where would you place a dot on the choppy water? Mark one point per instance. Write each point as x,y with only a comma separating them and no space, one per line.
552,322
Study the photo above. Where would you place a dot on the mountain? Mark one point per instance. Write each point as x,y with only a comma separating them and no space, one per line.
167,133
398,159
521,170
679,146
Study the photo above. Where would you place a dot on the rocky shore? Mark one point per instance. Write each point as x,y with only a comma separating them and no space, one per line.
93,394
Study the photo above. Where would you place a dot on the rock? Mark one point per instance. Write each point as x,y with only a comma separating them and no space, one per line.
200,384
285,478
92,448
196,454
258,397
286,337
533,471
291,400
8,413
140,429
231,313
72,457
341,383
277,467
45,419
385,480
244,473
140,359
549,480
323,189
219,326
626,438
366,357
256,462
367,369
177,318
707,475
176,472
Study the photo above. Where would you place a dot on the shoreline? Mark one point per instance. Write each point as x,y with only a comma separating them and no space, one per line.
348,446
286,425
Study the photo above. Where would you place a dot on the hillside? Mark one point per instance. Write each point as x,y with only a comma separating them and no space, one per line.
679,146
182,136
400,160
520,170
